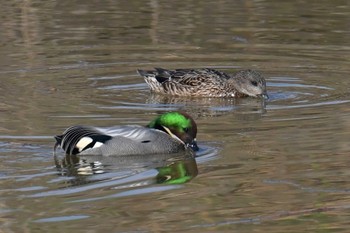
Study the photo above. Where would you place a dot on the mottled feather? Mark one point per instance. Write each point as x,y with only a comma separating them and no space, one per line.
205,82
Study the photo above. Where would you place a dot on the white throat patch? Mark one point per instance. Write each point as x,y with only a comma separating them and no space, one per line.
171,134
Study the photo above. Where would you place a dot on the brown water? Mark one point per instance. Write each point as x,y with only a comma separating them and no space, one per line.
279,166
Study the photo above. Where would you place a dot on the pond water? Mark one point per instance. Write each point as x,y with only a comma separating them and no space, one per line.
274,166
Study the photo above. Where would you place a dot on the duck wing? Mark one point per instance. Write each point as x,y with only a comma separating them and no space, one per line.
183,82
192,77
197,77
76,139
118,140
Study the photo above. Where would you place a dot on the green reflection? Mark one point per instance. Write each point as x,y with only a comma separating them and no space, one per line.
178,172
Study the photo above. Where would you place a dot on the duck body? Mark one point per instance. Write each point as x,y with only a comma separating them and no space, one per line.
205,83
128,140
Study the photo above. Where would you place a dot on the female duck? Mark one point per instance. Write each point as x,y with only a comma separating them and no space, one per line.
205,83
169,133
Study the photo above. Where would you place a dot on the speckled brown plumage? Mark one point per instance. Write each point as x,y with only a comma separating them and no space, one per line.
205,82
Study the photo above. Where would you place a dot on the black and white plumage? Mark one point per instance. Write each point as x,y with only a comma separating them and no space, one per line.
169,133
76,139
205,83
121,140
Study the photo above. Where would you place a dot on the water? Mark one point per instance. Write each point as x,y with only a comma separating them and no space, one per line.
278,166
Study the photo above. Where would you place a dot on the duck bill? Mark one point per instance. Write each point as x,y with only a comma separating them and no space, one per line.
264,96
193,145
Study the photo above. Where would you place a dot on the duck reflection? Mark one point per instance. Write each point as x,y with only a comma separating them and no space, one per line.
208,107
169,168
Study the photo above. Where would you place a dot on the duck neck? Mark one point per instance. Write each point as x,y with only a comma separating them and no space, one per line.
235,84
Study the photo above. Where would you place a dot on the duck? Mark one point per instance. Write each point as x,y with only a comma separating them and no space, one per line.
205,82
171,132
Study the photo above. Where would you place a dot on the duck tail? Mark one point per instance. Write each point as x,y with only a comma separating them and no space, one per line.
162,72
143,73
58,143
153,79
157,72
162,75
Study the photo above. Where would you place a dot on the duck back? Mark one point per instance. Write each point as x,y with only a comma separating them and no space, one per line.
117,141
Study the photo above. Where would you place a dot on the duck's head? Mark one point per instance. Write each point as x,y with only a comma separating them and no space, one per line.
251,83
180,126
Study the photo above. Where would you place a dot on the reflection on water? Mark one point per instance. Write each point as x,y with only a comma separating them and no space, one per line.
171,167
282,163
130,173
207,107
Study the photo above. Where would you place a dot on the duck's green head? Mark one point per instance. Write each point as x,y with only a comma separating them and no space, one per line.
180,126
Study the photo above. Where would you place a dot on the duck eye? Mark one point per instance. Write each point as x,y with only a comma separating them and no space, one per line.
186,130
254,83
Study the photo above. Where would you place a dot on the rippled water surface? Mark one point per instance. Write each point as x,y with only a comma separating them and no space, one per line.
275,166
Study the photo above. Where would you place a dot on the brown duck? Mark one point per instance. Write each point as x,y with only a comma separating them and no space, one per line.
205,83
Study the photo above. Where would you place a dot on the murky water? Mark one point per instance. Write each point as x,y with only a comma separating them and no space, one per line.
278,166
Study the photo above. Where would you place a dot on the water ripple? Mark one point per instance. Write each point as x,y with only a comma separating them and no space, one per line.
290,93
61,218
